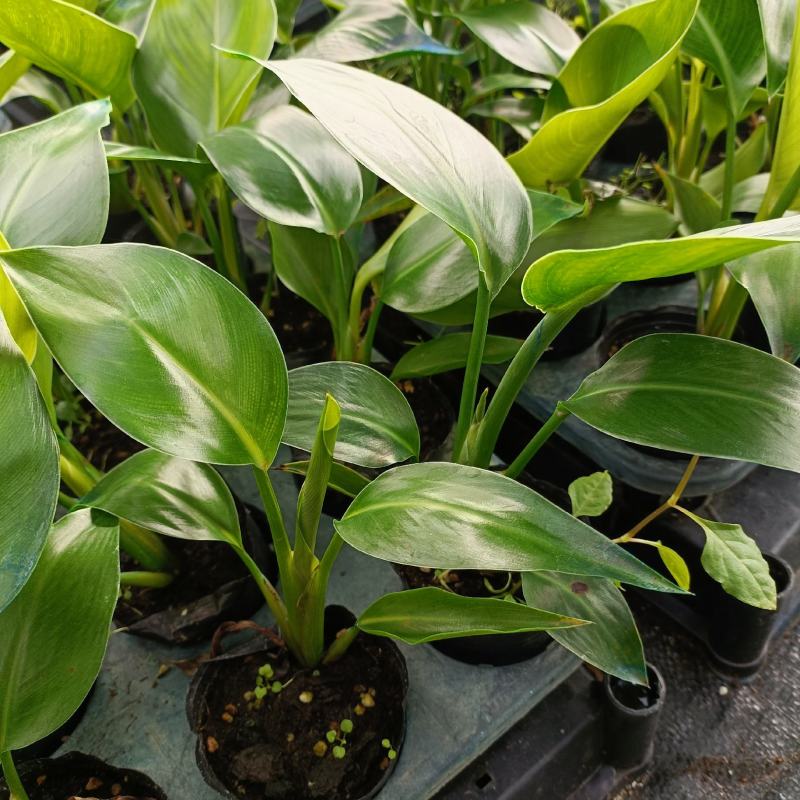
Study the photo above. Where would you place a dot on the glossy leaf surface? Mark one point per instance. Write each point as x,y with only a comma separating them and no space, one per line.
46,669
193,168
170,496
777,22
342,479
163,346
457,517
696,394
289,169
377,426
430,614
677,567
72,43
188,88
591,495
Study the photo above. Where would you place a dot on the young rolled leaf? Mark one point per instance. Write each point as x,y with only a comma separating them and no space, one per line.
377,427
611,642
733,558
588,101
29,465
450,352
424,151
72,43
565,276
46,668
591,495
170,496
526,34
342,479
452,516
367,29
430,614
189,90
116,318
289,169
697,394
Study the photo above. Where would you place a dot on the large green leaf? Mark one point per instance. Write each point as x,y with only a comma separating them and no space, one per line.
427,615
289,169
727,37
55,632
377,426
453,516
367,29
424,151
611,642
165,347
72,43
590,99
526,34
188,88
54,179
777,22
170,496
562,277
29,466
697,394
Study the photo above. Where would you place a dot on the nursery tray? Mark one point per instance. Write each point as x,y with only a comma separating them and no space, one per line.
455,711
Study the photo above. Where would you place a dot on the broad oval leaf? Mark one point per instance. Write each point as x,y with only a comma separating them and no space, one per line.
564,276
430,614
72,43
46,667
54,179
591,495
170,496
611,642
526,34
589,101
457,517
163,346
289,169
189,89
377,426
424,151
29,465
697,394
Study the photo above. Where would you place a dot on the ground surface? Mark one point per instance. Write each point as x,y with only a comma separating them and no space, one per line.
719,740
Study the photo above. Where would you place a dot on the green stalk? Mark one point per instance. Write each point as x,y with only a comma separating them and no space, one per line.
12,778
512,382
690,145
227,230
367,273
340,645
534,445
273,599
148,580
280,538
365,345
730,166
345,333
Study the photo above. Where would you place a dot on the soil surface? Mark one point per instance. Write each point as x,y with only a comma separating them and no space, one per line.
280,748
304,334
102,443
432,410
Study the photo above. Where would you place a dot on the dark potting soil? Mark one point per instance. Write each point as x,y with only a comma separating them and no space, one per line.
300,328
432,411
102,443
280,750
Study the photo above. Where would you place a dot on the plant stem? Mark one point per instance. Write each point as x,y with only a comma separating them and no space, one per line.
227,229
149,580
785,198
671,502
536,442
469,388
12,778
274,601
730,166
280,538
365,345
340,645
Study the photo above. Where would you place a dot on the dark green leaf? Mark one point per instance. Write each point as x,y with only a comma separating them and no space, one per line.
193,168
342,479
777,22
697,209
591,495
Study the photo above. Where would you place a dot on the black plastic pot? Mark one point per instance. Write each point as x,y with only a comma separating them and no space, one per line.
213,671
76,774
632,719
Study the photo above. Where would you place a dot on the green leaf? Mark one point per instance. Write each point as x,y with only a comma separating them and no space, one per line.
727,36
12,68
342,479
611,642
591,495
550,209
193,168
526,34
748,194
289,169
377,428
370,29
697,209
747,161
163,346
287,9
29,465
130,15
170,496
565,276
35,84
457,517
55,632
675,564
424,151
72,43
733,558
430,614
589,101
777,22
450,352
189,89
54,179
687,393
